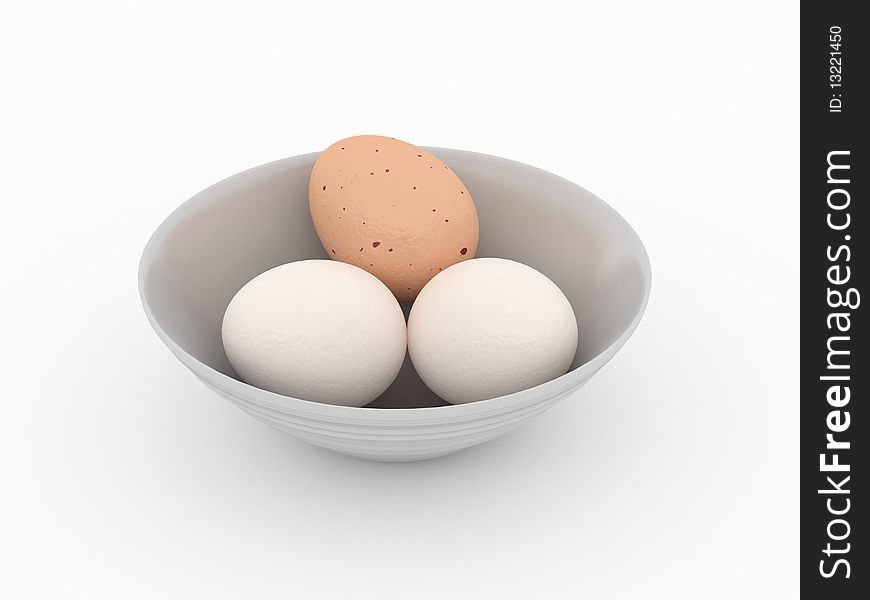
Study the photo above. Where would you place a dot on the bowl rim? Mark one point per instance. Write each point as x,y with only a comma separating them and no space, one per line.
554,387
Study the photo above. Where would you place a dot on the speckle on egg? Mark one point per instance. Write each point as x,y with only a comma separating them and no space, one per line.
382,212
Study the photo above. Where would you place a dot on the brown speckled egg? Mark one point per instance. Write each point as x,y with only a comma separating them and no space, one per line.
392,209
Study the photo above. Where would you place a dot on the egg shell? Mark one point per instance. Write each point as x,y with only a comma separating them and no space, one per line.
490,327
318,330
392,209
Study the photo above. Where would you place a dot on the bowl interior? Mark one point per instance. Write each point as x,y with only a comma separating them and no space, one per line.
215,243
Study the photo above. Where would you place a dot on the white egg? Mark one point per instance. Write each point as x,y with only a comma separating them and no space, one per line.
489,327
318,330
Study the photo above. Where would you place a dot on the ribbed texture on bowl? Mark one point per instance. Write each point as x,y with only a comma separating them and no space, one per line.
405,440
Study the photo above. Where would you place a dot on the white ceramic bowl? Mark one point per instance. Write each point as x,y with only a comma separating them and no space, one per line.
206,250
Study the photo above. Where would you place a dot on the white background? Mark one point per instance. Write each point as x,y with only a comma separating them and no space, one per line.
672,474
